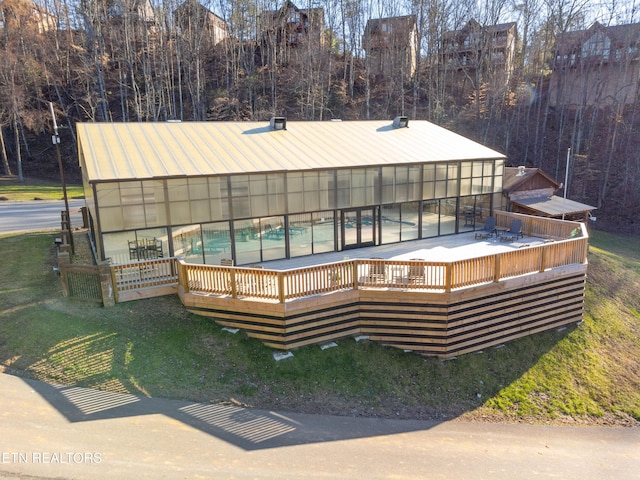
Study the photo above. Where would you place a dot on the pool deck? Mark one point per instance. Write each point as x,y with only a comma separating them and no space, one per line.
446,248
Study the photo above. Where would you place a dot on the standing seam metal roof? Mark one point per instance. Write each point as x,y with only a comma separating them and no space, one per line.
120,151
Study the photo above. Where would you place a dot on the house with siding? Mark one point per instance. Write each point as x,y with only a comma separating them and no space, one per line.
598,66
391,45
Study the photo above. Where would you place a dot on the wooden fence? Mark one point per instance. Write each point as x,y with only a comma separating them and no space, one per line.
81,282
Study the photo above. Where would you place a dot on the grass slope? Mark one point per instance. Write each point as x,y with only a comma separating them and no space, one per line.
585,374
36,189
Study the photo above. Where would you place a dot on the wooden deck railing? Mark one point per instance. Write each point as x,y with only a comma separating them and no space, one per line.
281,286
567,245
144,274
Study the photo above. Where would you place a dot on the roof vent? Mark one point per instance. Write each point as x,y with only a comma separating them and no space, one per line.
521,172
400,122
278,123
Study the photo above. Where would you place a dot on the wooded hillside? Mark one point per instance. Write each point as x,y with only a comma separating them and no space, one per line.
134,60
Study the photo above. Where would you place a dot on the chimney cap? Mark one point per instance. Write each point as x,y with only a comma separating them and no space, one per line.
278,123
401,122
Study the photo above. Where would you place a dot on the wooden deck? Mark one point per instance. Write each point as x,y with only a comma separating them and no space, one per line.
444,296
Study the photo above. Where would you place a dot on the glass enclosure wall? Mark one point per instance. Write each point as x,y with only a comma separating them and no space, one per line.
259,217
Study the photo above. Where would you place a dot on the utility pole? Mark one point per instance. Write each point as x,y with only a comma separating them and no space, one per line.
566,176
55,138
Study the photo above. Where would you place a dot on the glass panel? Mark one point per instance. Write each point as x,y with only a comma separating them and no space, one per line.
414,190
154,202
390,224
198,188
487,185
200,211
134,216
111,219
177,189
465,170
217,242
441,171
294,182
152,243
409,225
187,243
430,217
300,235
276,203
344,188
240,196
366,226
116,246
468,214
488,168
131,193
465,186
323,232
483,208
373,190
325,189
441,189
258,185
273,237
477,168
476,185
402,180
447,216
388,182
179,212
259,205
311,181
108,194
247,241
429,173
219,203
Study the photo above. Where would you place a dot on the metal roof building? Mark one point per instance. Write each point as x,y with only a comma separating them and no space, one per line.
257,191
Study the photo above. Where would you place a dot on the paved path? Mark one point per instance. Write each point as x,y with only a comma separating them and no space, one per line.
74,433
27,215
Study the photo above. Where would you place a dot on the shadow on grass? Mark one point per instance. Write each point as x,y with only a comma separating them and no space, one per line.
367,390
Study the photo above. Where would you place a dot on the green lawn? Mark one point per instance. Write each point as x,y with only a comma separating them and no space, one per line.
584,374
35,189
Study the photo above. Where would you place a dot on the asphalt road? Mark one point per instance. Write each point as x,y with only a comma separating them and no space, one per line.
30,215
60,432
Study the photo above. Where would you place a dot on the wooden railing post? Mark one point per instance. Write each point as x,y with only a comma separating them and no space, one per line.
106,284
232,278
281,287
449,277
496,272
543,258
354,273
183,275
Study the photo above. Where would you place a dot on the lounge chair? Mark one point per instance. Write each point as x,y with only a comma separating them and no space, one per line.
514,232
488,230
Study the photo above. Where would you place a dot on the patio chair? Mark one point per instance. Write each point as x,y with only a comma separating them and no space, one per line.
416,272
488,230
377,271
226,262
514,232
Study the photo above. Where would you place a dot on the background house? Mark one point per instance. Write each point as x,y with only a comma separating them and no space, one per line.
597,66
482,53
391,45
290,26
29,14
192,16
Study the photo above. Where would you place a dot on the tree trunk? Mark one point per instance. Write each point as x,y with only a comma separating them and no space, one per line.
5,159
